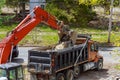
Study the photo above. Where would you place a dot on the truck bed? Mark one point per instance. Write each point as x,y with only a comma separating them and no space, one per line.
40,59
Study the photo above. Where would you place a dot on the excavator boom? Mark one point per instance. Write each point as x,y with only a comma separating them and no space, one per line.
40,16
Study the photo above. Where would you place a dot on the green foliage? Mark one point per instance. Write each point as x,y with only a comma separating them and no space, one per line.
5,19
83,15
15,3
116,39
2,2
0,21
89,2
117,66
99,2
102,3
71,12
61,14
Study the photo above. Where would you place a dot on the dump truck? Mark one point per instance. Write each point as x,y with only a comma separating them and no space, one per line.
47,63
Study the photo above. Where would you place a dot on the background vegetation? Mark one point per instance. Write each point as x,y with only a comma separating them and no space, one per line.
71,12
2,2
39,36
76,13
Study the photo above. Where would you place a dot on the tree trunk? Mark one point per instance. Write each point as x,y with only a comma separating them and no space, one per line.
110,21
22,9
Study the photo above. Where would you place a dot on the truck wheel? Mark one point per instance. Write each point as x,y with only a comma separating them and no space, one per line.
99,64
70,75
76,71
60,76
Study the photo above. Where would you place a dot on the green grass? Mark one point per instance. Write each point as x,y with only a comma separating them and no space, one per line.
50,39
104,37
46,29
88,30
117,66
4,29
100,35
43,35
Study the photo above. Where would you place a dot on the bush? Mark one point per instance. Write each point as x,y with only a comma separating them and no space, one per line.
5,19
59,13
71,12
0,21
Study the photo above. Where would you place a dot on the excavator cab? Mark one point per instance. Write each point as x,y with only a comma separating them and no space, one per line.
11,71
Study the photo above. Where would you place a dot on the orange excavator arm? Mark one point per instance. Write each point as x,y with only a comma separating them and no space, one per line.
40,16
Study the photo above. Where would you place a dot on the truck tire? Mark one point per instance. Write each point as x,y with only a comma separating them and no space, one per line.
76,71
60,76
99,65
70,75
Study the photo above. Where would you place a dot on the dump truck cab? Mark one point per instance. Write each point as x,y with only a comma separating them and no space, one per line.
11,71
91,45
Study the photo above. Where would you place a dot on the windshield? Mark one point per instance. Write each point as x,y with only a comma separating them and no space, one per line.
20,73
12,75
2,73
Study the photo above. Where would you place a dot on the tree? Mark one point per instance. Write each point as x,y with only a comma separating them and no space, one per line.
17,4
89,2
110,20
102,3
71,12
2,2
108,6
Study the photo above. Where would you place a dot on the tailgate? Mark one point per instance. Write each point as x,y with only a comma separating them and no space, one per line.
39,62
